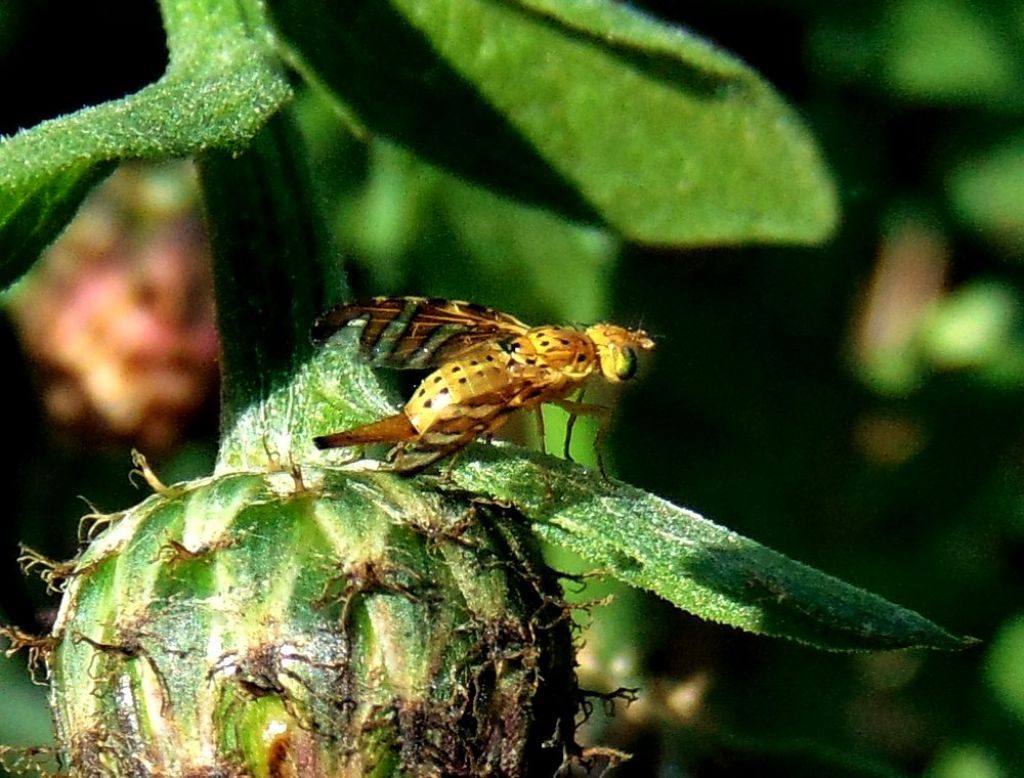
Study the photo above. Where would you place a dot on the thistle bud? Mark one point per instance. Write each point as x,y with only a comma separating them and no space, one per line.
322,624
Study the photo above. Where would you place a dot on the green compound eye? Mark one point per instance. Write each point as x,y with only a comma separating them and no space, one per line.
625,364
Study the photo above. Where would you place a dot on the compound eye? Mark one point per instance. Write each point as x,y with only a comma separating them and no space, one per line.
625,364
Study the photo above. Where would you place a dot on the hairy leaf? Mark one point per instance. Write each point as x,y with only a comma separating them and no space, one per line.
693,563
218,91
589,107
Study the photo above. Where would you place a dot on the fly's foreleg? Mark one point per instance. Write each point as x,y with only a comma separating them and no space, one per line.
575,409
541,436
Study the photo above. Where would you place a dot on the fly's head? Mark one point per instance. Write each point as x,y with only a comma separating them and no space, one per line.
617,349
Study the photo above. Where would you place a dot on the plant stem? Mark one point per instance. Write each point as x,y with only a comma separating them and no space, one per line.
272,276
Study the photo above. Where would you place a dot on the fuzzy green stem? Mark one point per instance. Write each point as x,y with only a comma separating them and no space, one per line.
193,26
272,275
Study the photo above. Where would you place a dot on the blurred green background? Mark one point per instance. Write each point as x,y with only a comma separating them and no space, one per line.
858,406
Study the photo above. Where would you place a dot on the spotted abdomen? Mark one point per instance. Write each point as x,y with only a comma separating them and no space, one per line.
473,387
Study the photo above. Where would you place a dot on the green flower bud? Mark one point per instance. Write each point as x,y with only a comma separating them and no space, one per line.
328,624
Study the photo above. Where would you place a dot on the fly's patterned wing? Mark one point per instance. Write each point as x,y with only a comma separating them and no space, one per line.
417,332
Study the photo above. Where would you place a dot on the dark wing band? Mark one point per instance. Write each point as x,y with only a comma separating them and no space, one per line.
416,332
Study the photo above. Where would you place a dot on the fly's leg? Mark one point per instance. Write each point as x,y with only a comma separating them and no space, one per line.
446,476
575,409
416,456
409,463
602,430
570,424
356,453
411,460
395,454
540,430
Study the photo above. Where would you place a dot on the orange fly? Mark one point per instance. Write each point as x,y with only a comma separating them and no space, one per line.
489,365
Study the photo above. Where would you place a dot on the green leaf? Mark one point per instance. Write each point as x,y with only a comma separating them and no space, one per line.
27,720
590,108
950,52
1004,667
691,562
973,326
987,192
407,205
966,760
220,88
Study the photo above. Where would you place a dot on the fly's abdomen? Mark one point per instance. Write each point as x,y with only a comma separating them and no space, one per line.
471,389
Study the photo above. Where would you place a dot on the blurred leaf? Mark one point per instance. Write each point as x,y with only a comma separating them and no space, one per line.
26,720
972,327
1004,667
908,281
696,565
10,24
533,258
495,248
385,217
966,761
949,51
219,89
843,45
987,193
590,108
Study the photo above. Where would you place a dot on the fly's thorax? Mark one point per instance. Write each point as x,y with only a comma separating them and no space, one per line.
460,388
565,351
617,349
